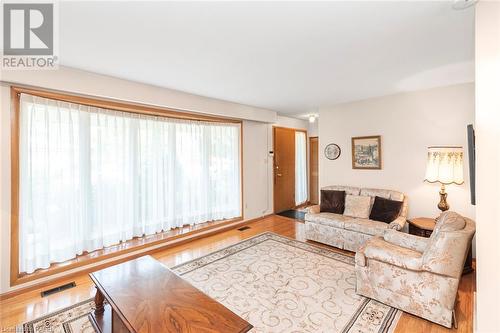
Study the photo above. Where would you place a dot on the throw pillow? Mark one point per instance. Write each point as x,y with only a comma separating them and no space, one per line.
385,210
357,206
332,201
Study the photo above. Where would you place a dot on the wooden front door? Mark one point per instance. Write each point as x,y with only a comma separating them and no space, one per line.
284,169
313,170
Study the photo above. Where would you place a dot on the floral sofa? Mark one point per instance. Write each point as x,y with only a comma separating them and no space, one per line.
350,233
415,274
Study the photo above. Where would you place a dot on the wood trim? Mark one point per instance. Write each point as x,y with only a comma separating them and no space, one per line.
14,187
168,243
290,128
242,193
122,106
311,138
132,245
273,170
15,277
378,137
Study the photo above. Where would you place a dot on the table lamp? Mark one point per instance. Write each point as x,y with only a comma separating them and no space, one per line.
445,166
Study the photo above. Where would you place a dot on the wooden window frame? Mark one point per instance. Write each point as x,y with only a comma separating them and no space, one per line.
135,244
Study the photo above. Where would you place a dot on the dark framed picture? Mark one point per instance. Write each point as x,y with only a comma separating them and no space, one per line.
366,152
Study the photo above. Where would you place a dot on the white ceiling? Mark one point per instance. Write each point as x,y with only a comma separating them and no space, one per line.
292,57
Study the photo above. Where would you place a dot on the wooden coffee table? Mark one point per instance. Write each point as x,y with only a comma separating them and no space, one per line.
145,296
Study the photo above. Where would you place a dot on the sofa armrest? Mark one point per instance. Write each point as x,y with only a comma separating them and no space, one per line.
313,209
359,257
377,248
398,223
447,253
402,239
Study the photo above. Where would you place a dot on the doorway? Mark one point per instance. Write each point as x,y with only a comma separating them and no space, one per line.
313,170
289,168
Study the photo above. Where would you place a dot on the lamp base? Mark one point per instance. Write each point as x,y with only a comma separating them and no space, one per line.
443,205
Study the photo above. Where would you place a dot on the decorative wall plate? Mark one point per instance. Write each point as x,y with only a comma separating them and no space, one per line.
332,151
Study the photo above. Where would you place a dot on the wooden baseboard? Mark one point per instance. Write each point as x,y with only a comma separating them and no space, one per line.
175,241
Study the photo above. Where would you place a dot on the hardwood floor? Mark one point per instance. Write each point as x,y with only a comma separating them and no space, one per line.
30,305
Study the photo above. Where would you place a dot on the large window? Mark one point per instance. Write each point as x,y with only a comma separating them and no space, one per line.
92,177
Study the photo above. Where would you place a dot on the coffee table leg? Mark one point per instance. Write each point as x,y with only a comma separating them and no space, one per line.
99,302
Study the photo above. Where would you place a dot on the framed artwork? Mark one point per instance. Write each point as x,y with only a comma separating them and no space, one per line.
332,151
366,152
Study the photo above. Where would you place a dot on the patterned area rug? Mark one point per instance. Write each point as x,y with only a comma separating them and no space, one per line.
73,319
275,283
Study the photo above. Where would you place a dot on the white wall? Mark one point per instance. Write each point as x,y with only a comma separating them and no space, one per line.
102,86
289,122
314,128
257,135
408,124
257,167
488,165
258,164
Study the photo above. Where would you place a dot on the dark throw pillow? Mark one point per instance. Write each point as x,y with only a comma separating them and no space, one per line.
385,210
332,201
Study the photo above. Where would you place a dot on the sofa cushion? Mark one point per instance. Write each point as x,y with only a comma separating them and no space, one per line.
380,250
449,221
332,201
375,192
366,226
348,189
385,210
329,219
357,206
387,194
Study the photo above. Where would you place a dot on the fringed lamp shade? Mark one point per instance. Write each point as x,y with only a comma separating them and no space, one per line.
445,165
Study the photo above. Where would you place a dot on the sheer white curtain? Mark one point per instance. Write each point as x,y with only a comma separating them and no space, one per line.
90,177
300,168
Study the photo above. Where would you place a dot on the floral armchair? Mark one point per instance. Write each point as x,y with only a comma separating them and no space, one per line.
415,274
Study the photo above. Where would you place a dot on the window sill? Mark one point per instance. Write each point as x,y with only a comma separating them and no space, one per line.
178,234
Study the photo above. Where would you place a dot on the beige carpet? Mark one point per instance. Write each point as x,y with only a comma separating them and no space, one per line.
275,283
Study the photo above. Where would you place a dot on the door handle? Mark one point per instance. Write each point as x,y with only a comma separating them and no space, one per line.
279,174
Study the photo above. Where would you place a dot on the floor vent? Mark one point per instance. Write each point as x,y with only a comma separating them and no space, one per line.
243,228
58,289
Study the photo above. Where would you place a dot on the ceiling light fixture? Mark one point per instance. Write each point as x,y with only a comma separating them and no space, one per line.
312,118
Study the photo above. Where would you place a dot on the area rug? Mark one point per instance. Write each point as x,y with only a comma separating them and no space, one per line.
293,214
275,283
73,319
